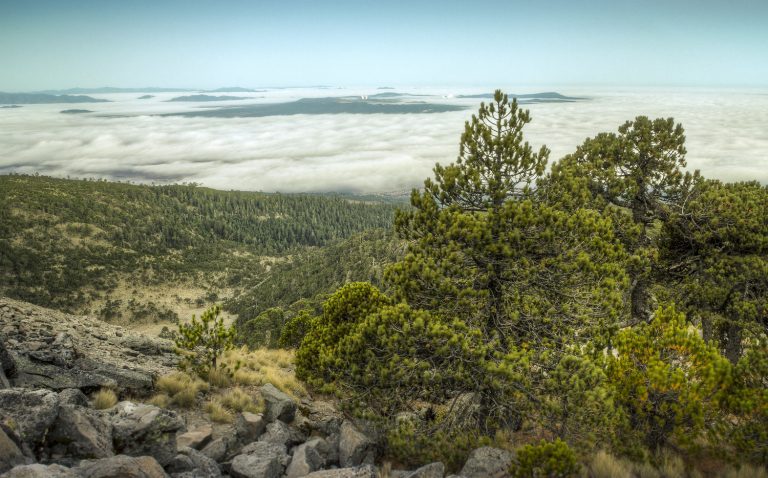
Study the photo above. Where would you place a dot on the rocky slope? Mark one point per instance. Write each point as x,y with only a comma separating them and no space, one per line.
58,351
50,361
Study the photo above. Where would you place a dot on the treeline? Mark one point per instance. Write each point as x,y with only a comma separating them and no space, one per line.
60,238
613,302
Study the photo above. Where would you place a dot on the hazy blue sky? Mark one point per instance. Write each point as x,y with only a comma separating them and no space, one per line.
188,43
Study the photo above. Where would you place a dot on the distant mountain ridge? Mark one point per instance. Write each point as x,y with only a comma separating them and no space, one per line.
207,98
546,95
42,98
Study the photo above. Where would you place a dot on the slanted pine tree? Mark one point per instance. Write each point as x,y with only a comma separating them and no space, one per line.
635,176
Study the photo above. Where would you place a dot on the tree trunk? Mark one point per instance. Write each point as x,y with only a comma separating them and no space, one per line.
733,342
640,301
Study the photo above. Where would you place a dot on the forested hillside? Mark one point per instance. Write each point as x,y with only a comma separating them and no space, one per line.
70,244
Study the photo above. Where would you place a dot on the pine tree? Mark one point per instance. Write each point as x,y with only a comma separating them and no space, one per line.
639,171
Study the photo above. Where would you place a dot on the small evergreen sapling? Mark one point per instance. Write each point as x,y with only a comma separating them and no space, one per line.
202,342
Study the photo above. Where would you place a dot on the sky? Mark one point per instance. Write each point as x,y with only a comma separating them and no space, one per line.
51,44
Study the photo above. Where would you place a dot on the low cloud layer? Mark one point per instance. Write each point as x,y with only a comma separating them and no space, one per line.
727,138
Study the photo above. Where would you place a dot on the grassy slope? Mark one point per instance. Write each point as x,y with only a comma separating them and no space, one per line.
92,246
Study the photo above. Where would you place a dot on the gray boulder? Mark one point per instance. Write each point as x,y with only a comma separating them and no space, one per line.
260,460
192,463
121,466
7,366
11,453
216,450
139,430
433,470
321,416
280,433
355,448
197,438
488,462
279,405
41,471
366,471
81,433
31,413
307,457
73,396
249,426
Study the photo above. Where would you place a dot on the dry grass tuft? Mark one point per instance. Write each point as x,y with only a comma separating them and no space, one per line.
185,398
237,400
180,389
261,366
605,465
745,471
217,412
177,382
104,398
219,378
160,400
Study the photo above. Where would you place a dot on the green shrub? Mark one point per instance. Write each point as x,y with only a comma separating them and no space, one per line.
341,312
408,445
669,383
295,329
553,459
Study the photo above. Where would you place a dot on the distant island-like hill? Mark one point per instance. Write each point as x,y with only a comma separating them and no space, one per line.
207,98
547,96
42,98
324,106
234,89
75,111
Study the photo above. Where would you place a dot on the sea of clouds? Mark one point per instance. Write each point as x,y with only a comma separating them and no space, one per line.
126,139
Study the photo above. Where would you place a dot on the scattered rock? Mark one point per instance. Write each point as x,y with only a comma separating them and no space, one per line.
73,396
280,433
41,471
433,470
366,471
279,405
322,416
31,413
80,432
10,451
249,426
7,366
202,465
197,438
488,462
121,466
216,450
260,460
354,447
145,430
308,457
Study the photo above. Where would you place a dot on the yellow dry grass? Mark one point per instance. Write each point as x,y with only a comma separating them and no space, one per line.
257,367
605,465
104,398
160,400
218,412
238,400
180,389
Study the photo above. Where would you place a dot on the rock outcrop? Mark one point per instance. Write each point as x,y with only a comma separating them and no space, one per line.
43,348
